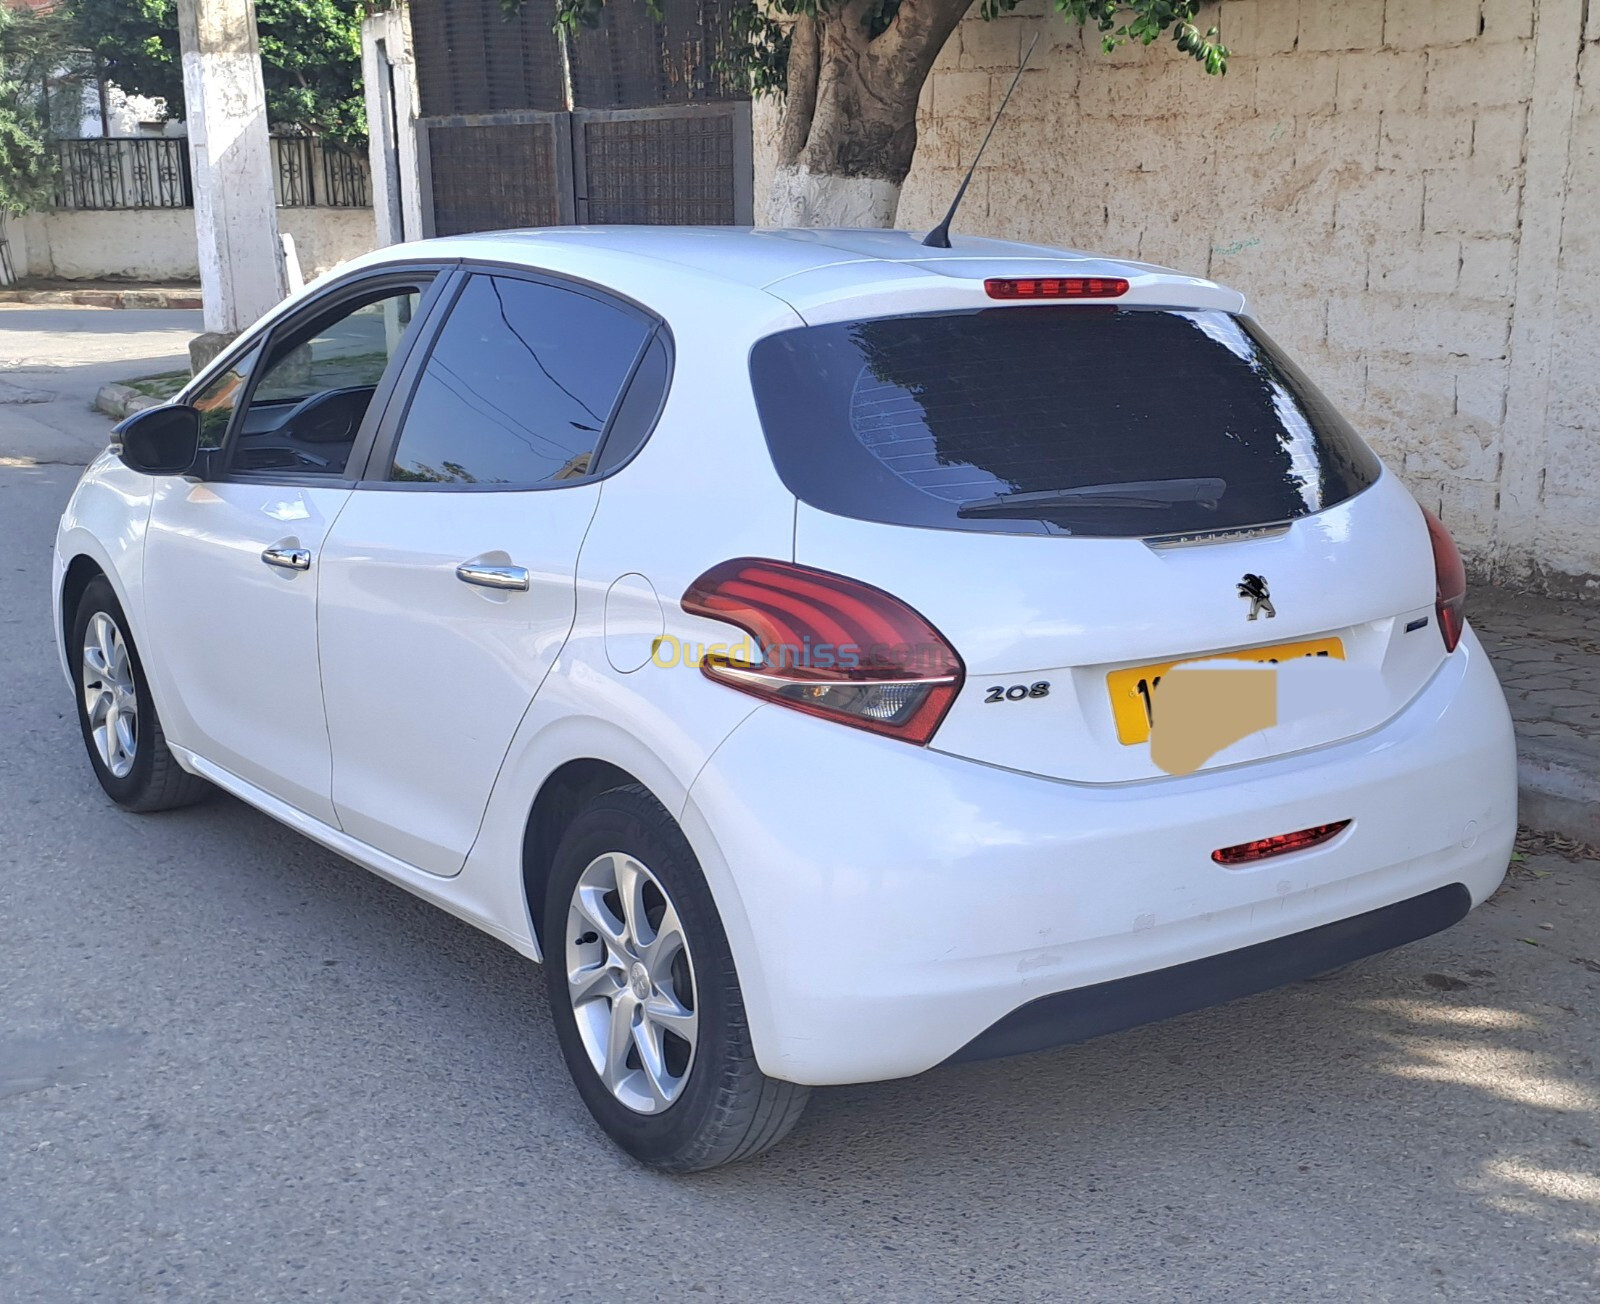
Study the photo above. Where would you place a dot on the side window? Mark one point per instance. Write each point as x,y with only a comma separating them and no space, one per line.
521,383
315,386
636,414
216,401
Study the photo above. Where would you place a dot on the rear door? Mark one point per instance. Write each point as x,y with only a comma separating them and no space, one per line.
448,582
1080,497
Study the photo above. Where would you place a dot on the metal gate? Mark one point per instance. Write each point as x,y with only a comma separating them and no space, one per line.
633,122
688,164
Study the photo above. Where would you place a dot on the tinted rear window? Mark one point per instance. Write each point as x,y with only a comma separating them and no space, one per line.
1126,422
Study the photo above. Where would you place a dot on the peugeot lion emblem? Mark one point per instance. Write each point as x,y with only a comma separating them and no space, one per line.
1254,587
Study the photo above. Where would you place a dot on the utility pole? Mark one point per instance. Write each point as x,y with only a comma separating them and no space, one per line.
235,209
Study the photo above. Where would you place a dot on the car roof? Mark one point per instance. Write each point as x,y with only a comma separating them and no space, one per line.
811,269
760,256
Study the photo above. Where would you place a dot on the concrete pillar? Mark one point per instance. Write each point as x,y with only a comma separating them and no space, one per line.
235,209
389,74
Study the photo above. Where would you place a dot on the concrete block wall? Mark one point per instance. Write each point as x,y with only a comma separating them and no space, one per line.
1408,191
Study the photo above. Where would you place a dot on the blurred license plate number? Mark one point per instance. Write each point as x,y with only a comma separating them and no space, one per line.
1133,689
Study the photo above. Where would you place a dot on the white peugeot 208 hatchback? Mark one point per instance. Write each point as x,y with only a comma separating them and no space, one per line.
833,656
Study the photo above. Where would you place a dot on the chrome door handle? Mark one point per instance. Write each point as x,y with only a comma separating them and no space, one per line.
493,577
288,558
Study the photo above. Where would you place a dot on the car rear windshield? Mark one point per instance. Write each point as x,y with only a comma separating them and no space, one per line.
1081,420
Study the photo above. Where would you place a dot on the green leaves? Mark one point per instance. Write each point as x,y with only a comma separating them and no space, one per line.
762,54
35,49
1144,21
310,57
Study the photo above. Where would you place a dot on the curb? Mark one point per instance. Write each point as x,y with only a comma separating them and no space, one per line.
106,298
1558,790
122,401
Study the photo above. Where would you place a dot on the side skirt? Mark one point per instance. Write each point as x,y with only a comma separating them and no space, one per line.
430,887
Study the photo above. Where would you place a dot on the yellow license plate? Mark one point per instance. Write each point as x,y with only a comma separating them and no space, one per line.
1133,689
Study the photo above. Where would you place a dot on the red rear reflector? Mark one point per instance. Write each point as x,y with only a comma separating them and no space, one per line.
1278,845
1450,581
1056,287
829,646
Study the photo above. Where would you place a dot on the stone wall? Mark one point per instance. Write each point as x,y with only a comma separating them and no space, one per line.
158,244
1408,191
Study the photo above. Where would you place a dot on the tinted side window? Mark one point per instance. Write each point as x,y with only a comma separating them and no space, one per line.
519,387
636,414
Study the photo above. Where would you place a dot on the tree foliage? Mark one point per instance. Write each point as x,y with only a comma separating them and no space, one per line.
310,57
34,50
766,27
851,73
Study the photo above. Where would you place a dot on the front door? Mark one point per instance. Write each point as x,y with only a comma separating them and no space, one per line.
448,582
232,561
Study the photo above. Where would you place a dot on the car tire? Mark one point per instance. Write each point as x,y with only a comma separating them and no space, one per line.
698,1099
121,730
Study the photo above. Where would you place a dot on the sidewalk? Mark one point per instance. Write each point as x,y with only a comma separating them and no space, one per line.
100,294
1548,656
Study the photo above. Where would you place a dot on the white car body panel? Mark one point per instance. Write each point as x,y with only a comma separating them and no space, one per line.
885,903
842,293
241,636
103,521
1066,611
949,893
426,677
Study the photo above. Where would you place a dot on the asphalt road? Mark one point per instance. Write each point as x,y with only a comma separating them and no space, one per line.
234,1067
54,359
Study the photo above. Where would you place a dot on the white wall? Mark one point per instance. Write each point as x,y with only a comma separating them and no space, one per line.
1408,191
158,244
129,113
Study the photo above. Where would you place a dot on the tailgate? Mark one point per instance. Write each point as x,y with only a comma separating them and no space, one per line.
1092,617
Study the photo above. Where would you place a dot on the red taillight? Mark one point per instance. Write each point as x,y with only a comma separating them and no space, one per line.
829,646
1450,581
1056,287
1279,844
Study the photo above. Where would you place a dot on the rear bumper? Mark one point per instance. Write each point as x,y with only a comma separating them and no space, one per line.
888,905
1086,1012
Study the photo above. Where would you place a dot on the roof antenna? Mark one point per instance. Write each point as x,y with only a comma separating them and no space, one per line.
939,237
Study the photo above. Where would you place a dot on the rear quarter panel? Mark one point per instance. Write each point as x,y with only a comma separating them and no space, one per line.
700,491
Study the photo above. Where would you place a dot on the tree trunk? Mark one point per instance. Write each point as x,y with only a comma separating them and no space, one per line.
801,197
850,120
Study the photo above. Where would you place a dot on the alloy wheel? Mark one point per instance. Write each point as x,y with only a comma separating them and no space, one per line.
109,695
630,977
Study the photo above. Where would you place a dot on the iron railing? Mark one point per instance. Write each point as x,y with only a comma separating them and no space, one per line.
309,171
125,172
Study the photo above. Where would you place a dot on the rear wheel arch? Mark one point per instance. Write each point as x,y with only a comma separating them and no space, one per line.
561,797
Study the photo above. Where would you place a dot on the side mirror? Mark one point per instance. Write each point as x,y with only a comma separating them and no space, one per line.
159,440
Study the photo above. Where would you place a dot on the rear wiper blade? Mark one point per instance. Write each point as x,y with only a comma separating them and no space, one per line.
1137,494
